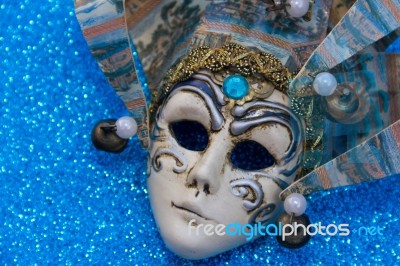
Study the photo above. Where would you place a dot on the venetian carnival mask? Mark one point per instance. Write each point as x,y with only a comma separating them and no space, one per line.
224,147
244,103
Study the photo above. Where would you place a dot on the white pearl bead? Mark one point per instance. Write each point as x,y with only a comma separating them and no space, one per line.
126,127
295,203
325,84
297,8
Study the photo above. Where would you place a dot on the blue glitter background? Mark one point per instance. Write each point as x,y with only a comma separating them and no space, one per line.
63,202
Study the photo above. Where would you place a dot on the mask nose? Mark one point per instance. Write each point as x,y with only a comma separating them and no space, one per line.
207,173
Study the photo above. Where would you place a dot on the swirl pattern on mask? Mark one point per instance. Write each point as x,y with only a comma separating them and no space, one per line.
244,187
216,89
181,163
217,119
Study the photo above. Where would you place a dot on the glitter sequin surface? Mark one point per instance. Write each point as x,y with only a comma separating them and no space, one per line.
63,202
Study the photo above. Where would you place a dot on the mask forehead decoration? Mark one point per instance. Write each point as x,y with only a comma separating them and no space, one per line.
263,70
238,96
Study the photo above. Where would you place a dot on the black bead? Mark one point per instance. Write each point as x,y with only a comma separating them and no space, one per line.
107,140
298,240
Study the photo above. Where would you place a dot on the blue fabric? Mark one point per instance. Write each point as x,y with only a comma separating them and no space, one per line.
63,202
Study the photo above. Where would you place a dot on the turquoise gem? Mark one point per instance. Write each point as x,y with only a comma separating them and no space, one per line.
235,87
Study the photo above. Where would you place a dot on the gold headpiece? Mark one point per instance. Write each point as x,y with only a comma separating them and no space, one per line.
230,56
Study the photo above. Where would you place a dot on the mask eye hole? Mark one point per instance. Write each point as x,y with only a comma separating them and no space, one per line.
190,135
250,155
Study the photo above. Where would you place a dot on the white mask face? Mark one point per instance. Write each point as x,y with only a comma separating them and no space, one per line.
213,162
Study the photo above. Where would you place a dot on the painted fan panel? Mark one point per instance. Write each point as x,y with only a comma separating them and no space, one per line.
357,126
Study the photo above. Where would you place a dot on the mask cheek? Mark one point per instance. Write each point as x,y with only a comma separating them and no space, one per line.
273,181
270,206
